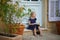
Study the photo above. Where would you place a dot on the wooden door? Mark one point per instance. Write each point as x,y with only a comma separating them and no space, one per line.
58,27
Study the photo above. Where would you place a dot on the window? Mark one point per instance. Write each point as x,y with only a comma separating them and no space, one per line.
57,9
26,0
30,0
54,10
34,0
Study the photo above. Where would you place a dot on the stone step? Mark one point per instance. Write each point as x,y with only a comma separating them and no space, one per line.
27,32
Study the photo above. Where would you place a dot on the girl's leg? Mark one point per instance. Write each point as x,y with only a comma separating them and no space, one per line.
34,31
40,30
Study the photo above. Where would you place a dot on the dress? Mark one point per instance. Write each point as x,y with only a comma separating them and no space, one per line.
31,27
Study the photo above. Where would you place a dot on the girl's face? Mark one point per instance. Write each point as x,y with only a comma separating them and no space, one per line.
33,15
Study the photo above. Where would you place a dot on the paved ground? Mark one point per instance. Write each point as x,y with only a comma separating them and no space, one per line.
46,36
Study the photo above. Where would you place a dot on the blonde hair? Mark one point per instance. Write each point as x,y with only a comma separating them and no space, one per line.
32,13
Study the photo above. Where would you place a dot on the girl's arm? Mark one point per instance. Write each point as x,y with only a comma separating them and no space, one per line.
30,23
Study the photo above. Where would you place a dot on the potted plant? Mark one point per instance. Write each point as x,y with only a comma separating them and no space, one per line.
8,10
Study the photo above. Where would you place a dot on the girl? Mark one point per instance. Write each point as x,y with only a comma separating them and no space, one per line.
32,24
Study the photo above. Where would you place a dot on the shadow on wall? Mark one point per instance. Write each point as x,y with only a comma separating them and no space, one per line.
2,26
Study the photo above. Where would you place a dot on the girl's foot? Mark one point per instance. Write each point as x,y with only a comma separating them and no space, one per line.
40,35
35,34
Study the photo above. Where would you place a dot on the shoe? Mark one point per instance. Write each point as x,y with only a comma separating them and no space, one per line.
38,33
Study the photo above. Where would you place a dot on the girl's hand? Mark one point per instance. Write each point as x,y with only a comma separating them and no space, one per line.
31,24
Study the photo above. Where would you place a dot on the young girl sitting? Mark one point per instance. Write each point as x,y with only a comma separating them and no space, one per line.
32,24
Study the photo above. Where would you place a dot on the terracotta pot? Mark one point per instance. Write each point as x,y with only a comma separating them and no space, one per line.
19,29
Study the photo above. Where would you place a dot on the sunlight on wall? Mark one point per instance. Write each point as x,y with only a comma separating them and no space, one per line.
37,8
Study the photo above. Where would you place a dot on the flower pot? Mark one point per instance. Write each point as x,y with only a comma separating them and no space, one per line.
17,29
20,30
5,36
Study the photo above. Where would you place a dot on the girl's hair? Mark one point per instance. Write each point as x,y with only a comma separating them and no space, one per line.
32,13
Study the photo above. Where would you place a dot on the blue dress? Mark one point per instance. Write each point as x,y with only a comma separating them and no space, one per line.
31,27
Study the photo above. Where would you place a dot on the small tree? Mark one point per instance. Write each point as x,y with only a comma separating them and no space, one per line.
7,10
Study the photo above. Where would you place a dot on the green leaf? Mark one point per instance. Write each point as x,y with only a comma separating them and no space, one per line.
29,10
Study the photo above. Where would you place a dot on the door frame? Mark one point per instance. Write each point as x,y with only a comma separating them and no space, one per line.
44,14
